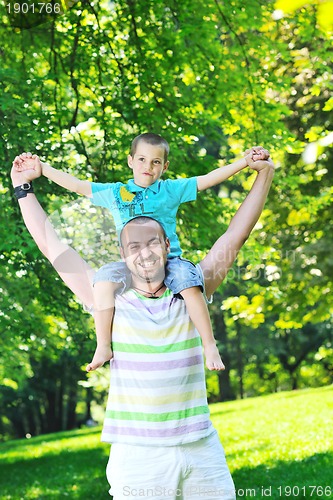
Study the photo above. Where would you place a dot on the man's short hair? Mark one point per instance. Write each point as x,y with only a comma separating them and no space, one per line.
142,219
154,140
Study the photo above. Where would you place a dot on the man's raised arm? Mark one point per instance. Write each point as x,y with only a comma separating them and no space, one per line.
72,269
222,255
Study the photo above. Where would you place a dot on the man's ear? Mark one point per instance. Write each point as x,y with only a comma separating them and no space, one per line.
167,244
166,164
130,161
122,255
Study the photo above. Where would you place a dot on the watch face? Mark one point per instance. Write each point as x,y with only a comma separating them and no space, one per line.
25,186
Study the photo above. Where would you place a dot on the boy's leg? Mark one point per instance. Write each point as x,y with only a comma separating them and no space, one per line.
198,312
110,279
184,278
104,292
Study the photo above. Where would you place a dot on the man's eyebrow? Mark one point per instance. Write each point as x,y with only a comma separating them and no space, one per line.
139,242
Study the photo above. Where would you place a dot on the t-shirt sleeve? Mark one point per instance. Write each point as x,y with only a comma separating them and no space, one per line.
184,189
102,194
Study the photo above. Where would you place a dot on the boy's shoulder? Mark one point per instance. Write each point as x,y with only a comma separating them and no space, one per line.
101,186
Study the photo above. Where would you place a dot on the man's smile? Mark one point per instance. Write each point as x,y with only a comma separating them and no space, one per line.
147,263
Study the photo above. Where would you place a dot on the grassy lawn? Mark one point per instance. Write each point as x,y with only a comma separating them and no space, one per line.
277,446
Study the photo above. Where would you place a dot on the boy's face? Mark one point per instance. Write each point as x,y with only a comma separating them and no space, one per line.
147,164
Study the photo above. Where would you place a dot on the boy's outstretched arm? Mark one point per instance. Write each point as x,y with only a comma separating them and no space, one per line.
224,252
222,173
72,269
28,161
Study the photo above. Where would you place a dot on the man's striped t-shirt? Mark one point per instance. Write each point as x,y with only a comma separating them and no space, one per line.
157,389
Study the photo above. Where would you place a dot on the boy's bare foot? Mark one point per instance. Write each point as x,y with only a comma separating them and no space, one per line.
101,356
213,358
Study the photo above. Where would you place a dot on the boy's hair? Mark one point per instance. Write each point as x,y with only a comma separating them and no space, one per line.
154,140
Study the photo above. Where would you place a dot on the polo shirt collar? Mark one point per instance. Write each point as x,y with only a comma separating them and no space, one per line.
134,188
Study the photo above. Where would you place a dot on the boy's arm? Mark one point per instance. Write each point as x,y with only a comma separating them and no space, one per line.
66,181
27,161
222,173
222,255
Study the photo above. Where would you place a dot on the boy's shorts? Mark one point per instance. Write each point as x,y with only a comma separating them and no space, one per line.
193,471
180,274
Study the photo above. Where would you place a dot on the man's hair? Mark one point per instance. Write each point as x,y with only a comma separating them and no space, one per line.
154,140
142,219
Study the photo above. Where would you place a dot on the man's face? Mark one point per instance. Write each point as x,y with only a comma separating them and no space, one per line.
144,250
147,164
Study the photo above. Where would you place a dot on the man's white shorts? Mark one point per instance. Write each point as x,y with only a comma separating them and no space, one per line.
187,472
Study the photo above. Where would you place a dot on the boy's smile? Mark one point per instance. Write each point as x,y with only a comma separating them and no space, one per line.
148,164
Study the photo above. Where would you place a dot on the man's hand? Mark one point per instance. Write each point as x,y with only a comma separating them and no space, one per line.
29,164
257,158
260,164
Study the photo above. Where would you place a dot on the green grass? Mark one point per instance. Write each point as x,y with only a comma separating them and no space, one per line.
272,443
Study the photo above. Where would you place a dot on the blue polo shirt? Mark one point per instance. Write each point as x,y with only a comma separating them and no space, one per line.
159,201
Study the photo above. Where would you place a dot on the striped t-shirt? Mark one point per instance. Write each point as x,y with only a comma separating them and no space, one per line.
157,391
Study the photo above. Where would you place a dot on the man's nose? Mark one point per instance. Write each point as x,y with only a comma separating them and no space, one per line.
145,252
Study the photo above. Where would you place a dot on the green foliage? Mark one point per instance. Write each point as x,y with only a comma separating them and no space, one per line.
212,78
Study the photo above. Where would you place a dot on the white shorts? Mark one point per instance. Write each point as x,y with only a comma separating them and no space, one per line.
186,472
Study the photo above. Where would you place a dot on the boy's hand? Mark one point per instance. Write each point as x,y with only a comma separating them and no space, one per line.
257,158
257,153
29,164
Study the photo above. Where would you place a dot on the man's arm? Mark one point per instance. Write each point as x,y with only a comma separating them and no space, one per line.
27,161
224,252
223,173
72,269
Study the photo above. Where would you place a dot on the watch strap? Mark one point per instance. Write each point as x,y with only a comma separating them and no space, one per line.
22,190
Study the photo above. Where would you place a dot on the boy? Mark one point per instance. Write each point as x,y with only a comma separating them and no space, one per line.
146,194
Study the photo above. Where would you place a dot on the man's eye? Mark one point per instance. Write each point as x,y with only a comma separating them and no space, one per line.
133,247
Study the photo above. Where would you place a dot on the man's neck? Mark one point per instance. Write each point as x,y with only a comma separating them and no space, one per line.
149,289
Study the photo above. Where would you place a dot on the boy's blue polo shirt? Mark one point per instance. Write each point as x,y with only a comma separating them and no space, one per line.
159,201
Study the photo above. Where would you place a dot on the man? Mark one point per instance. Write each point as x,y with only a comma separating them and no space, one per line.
164,444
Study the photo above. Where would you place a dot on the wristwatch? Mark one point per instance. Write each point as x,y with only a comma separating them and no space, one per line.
23,190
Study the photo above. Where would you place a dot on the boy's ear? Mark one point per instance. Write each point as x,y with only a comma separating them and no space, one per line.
130,161
166,164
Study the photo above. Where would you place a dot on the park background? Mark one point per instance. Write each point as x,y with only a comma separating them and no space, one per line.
213,78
